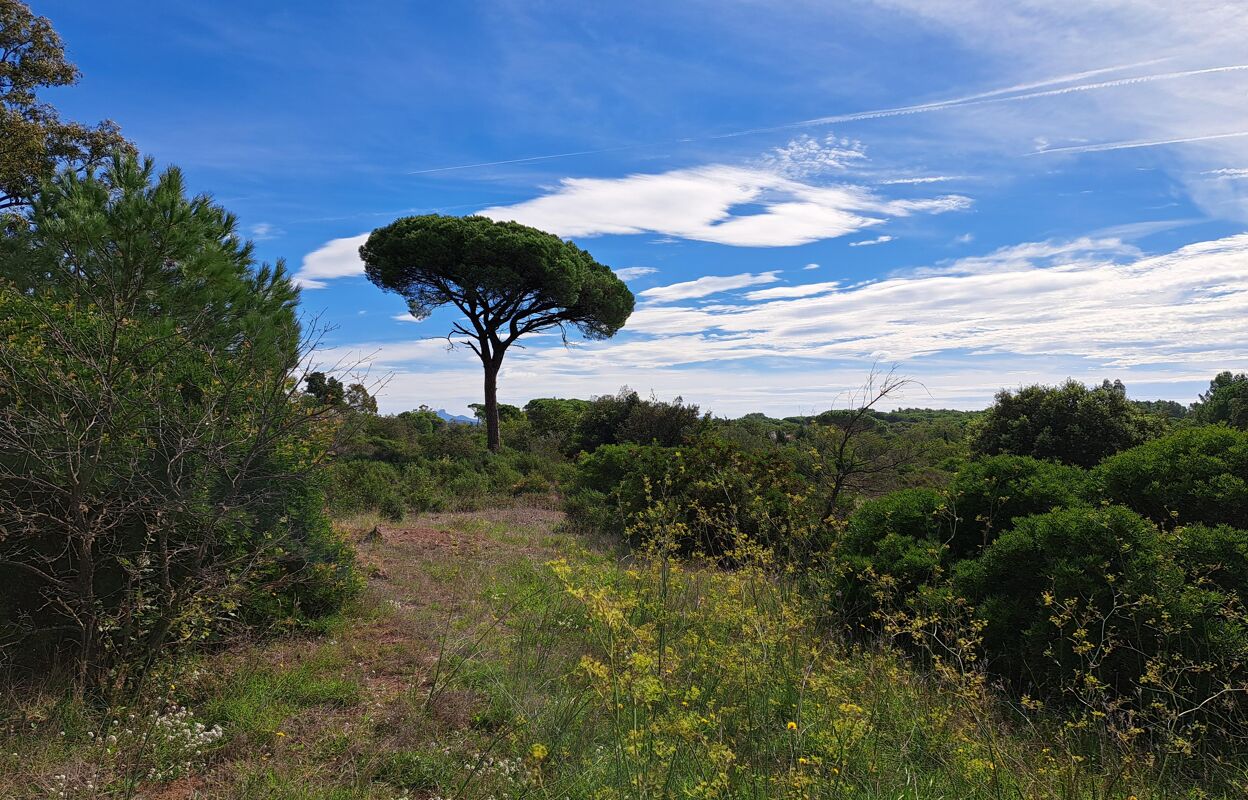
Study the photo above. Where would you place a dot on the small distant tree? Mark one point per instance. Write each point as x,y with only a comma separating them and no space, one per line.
1226,401
1071,423
357,398
507,280
555,417
327,391
506,411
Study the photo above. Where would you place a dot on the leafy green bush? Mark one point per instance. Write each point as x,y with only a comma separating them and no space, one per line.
1092,557
1214,556
1192,475
1070,423
714,493
900,539
1098,609
988,494
362,486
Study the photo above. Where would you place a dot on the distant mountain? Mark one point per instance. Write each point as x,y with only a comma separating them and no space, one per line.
457,419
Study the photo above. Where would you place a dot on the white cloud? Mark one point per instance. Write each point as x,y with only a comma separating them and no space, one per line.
632,273
1090,309
811,266
868,242
337,258
701,203
1228,173
802,290
708,285
264,230
1032,255
926,179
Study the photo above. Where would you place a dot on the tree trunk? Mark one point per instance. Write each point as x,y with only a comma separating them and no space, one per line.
491,407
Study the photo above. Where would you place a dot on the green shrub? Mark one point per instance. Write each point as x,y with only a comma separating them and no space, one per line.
1214,556
1192,475
1093,557
714,494
898,538
1098,609
1070,423
362,486
988,494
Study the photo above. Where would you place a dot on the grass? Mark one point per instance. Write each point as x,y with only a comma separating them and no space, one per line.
498,656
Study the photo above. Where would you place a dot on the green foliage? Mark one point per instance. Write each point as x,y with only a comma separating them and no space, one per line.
36,141
360,486
1096,608
154,461
1192,475
1214,556
1069,423
902,536
715,493
1085,555
326,390
554,417
1226,401
989,494
626,418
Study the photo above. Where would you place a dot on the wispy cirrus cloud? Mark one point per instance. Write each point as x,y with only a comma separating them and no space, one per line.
883,239
706,286
633,273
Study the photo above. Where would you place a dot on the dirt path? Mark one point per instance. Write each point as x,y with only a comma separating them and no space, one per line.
377,685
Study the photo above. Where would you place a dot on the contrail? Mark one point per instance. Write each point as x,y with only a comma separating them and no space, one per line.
1100,148
1007,94
998,96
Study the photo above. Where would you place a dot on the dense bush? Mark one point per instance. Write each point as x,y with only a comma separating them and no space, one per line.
900,538
1094,606
1088,555
155,462
1069,423
359,486
625,418
1192,475
714,494
988,494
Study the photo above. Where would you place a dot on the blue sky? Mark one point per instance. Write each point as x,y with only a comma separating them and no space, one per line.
982,194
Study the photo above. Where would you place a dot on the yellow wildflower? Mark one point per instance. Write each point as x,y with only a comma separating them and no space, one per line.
792,725
539,752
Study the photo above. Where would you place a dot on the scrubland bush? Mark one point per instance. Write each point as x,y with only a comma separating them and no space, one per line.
1071,423
1192,475
718,493
156,463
